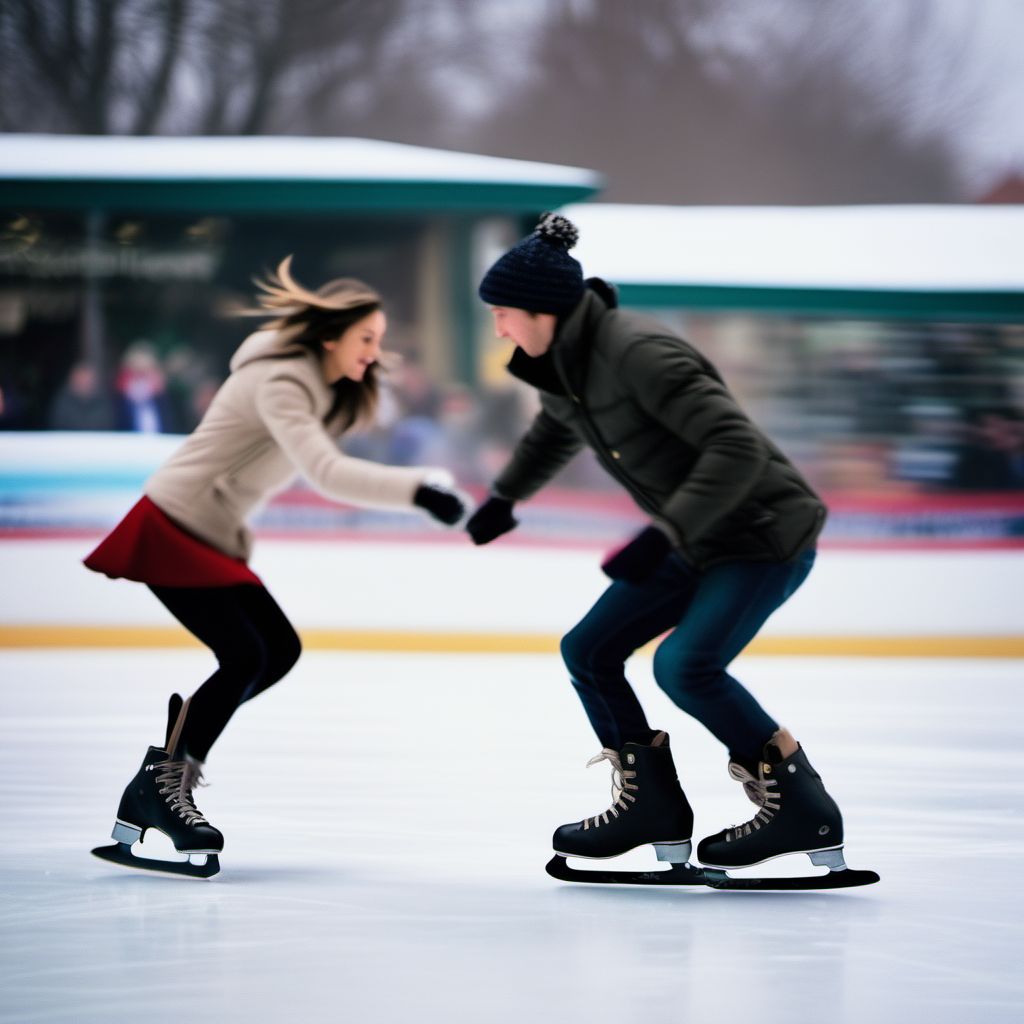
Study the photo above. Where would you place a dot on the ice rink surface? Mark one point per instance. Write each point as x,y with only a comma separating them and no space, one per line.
387,821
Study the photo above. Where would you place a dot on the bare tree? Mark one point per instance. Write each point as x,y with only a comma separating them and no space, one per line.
695,101
268,65
92,66
731,102
850,99
234,66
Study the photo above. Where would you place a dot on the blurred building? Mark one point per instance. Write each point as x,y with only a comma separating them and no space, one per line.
881,346
109,241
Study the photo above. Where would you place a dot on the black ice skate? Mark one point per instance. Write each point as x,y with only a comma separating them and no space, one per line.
160,797
795,815
648,806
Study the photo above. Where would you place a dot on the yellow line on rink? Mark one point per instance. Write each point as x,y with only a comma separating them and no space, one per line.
939,646
441,642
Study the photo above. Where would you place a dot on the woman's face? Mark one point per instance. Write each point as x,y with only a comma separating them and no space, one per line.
356,350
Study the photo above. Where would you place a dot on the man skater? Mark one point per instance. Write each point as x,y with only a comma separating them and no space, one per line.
732,536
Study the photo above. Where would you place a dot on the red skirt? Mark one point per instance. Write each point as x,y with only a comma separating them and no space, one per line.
148,547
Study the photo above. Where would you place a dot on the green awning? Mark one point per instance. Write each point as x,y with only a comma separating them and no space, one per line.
271,175
859,304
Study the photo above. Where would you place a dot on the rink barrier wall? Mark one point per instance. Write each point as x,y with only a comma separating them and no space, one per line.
451,598
73,484
443,642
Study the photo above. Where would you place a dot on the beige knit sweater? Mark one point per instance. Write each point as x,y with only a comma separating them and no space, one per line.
263,428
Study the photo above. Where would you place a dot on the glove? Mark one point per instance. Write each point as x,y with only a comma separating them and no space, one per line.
440,502
492,519
638,559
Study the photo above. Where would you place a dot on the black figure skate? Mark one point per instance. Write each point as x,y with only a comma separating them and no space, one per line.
795,815
648,806
160,797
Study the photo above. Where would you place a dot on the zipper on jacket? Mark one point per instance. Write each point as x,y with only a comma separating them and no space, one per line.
598,446
610,463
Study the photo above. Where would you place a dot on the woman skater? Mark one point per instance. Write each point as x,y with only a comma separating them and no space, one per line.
295,386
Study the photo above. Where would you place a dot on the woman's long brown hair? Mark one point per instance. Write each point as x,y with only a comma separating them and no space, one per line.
319,316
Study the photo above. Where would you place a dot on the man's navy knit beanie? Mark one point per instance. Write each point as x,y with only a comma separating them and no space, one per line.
538,274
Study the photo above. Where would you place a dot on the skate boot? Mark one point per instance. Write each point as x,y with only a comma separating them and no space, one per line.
160,797
795,815
648,806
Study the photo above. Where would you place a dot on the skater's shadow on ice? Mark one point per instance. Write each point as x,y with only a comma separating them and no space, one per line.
275,874
278,873
656,895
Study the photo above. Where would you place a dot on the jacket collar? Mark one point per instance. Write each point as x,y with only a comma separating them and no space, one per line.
562,369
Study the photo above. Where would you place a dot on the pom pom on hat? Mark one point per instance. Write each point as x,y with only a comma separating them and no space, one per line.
538,274
557,230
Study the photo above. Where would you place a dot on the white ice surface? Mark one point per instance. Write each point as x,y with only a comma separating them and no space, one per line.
388,818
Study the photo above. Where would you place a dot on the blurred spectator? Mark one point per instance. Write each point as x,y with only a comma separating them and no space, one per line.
410,438
190,386
13,412
417,430
455,443
991,457
142,403
927,453
202,396
82,403
858,467
416,390
373,441
505,414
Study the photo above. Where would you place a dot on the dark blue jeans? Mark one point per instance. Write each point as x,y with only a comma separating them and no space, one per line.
713,615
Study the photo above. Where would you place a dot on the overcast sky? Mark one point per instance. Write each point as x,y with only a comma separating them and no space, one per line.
996,139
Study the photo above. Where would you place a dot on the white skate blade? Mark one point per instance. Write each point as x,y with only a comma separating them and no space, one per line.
786,865
120,854
632,867
154,844
156,854
639,857
790,873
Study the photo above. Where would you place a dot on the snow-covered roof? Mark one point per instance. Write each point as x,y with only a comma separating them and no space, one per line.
93,168
877,248
260,158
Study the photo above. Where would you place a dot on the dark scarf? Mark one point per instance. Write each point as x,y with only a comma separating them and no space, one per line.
540,371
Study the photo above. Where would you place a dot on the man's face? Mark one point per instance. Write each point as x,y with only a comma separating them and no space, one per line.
532,332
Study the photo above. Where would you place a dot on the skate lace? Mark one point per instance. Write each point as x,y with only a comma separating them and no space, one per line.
177,779
192,776
621,787
761,791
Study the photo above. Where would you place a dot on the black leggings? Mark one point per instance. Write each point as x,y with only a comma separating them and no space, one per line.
254,643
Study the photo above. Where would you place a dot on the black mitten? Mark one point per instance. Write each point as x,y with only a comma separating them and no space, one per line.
640,557
492,519
444,505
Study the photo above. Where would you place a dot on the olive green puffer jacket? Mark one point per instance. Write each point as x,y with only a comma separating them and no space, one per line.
662,422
